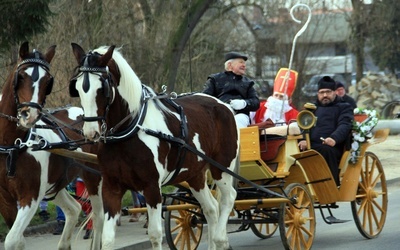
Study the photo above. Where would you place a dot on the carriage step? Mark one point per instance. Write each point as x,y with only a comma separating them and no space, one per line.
333,219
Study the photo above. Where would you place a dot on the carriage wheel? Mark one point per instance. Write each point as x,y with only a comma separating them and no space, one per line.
263,230
183,229
297,221
370,206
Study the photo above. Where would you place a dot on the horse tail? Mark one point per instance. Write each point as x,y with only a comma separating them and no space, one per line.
83,225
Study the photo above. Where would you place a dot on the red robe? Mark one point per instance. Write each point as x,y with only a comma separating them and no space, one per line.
259,116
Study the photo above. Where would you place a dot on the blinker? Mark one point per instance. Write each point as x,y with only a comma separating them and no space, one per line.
85,85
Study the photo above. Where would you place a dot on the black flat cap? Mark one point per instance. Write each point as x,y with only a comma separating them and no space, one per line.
234,55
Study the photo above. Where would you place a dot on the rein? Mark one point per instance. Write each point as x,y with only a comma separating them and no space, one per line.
9,117
136,125
183,144
50,118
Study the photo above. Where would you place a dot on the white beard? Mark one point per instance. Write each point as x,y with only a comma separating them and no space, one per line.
276,110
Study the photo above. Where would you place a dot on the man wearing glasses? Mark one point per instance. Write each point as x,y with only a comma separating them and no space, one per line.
334,121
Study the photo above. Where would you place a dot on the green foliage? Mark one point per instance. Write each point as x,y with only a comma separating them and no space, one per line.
21,20
3,229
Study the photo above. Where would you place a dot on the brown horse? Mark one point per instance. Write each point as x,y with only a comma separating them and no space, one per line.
148,140
28,176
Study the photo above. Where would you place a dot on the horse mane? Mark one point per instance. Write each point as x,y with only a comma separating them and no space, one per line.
130,86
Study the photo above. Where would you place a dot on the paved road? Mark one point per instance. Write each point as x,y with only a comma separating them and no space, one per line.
133,235
331,237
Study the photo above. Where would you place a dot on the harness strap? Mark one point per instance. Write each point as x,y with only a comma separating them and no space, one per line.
184,132
49,118
12,162
12,156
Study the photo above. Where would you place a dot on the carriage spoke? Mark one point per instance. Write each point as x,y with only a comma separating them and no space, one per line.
370,206
378,206
192,235
178,238
376,180
262,230
306,231
300,220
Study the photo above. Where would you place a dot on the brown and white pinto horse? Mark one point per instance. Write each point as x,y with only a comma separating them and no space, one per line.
143,140
28,176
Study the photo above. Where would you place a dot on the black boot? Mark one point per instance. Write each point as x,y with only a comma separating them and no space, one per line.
87,234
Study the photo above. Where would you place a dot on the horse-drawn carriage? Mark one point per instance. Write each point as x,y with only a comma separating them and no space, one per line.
280,187
276,185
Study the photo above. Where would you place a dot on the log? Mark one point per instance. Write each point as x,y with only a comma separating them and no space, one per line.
81,156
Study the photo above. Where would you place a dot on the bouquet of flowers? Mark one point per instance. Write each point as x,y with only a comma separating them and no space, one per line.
362,130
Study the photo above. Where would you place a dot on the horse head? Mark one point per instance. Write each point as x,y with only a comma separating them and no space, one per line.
94,82
31,83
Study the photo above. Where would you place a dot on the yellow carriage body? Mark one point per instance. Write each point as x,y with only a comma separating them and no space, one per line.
307,167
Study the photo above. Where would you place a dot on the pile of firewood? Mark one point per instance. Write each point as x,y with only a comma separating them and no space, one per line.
374,91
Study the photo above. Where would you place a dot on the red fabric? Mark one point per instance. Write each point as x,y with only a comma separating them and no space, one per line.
86,207
259,116
280,85
291,114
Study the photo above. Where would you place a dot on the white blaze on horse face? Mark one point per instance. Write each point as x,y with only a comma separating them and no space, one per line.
89,105
30,114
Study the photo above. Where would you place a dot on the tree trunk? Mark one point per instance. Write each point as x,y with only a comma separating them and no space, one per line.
177,41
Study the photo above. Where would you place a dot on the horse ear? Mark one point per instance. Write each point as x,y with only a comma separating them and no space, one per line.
24,50
103,61
79,53
50,53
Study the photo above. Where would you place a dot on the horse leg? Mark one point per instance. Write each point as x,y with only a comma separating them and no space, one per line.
112,196
98,219
226,202
8,207
154,229
209,206
93,183
71,209
15,238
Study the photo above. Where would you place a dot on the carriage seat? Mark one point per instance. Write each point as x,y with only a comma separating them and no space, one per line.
291,129
271,139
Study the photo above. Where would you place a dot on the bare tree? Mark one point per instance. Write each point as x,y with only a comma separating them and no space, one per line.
359,34
177,43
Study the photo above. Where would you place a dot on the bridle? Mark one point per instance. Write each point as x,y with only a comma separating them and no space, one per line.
108,91
134,118
107,87
37,62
